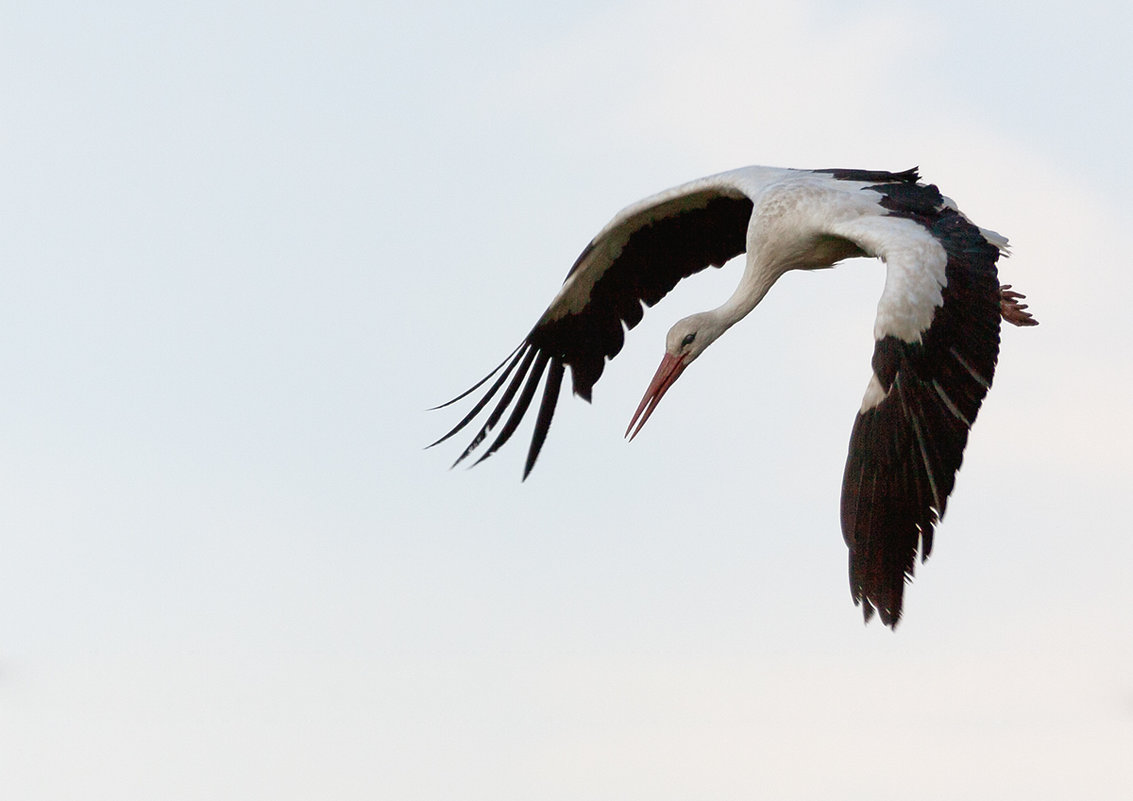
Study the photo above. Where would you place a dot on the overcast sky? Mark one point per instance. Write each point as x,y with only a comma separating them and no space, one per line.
244,246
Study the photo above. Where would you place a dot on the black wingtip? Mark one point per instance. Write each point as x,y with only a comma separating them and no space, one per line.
515,357
527,355
515,386
546,414
867,610
474,387
888,619
910,176
534,372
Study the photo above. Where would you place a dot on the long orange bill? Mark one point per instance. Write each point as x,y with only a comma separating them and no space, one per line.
666,375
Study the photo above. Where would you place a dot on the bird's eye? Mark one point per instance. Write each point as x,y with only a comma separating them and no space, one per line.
688,340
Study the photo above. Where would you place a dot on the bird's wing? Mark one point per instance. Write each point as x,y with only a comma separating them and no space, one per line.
636,259
937,340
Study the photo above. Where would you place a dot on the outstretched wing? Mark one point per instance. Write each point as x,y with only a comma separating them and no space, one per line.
937,341
636,259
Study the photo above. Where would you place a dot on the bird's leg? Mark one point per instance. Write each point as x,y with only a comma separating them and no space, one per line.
1012,310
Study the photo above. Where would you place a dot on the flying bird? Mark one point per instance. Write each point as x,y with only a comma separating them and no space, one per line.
936,332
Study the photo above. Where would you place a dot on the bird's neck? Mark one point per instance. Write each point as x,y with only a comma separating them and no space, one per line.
754,286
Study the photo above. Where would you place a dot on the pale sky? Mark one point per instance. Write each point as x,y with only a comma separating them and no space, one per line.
244,246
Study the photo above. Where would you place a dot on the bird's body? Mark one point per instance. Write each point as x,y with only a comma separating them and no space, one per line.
936,331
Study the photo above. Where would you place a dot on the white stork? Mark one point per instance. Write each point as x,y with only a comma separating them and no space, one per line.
937,331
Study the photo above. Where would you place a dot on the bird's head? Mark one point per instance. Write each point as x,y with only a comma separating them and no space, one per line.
685,341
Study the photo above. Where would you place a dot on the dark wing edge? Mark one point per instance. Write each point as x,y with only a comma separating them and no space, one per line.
909,176
659,247
905,451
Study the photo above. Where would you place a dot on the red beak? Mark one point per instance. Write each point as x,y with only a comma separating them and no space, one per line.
666,375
